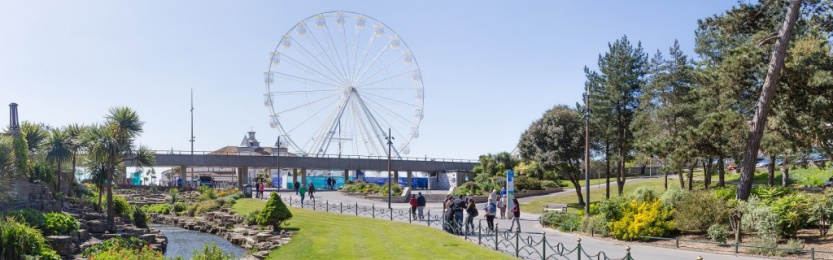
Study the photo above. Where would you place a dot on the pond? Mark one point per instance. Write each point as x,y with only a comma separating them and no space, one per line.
182,242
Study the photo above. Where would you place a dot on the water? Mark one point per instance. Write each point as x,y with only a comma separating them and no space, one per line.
182,242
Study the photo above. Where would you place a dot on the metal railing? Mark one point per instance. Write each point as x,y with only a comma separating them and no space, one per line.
331,156
525,245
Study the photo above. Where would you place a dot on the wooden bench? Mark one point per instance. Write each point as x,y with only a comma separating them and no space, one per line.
555,207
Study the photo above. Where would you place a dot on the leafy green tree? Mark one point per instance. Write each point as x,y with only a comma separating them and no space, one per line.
21,155
556,142
58,150
621,77
666,111
274,213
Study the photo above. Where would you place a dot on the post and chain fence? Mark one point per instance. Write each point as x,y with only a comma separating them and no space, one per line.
525,245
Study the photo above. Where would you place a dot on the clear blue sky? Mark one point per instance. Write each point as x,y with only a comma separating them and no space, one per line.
489,68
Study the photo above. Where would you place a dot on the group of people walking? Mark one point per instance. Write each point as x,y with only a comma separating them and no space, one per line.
453,209
302,191
417,204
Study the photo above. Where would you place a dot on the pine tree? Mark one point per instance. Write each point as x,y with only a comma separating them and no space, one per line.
274,213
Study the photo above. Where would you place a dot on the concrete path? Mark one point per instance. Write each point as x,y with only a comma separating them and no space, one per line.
530,224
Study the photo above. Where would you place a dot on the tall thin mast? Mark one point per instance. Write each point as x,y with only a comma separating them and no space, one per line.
192,130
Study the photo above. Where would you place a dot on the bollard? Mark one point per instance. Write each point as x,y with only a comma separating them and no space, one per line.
479,234
578,248
813,253
517,243
737,245
391,214
677,241
409,216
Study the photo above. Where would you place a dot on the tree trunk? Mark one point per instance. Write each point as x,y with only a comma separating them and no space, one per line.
60,183
721,172
577,185
111,215
785,175
680,175
607,171
666,179
771,170
72,176
642,169
773,75
620,180
707,172
691,175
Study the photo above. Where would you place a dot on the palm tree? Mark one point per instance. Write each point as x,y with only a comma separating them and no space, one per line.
58,150
77,144
150,174
112,145
36,133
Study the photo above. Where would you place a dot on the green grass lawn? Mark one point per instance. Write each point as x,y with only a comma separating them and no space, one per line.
323,235
569,185
595,195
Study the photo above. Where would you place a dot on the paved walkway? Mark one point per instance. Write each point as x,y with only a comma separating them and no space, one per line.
529,223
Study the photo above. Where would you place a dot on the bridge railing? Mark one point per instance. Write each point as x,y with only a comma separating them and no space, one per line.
332,156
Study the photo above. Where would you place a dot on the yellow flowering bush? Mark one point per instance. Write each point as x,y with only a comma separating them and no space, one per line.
646,218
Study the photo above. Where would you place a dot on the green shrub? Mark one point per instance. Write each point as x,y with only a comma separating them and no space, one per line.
17,241
206,193
220,202
174,195
212,252
30,217
120,205
42,171
726,194
595,224
672,196
251,219
795,245
547,184
205,207
527,183
114,244
140,219
759,217
718,233
700,209
769,194
610,210
647,218
765,245
191,210
468,188
158,208
396,190
642,194
274,213
145,253
59,224
179,207
793,212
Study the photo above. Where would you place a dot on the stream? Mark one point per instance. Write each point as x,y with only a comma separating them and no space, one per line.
182,242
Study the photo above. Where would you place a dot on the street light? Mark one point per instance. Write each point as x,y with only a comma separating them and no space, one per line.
587,151
390,186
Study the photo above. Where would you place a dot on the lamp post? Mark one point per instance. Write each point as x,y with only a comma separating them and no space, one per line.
390,184
278,161
587,151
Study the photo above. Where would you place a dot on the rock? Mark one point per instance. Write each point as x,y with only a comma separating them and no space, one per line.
93,216
109,236
83,235
261,254
96,226
260,237
150,238
62,244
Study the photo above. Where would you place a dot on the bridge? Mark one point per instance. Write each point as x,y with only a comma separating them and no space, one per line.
345,162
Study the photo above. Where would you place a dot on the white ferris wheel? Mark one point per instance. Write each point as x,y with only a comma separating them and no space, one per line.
338,81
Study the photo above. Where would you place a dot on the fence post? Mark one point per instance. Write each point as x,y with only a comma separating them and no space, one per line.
628,254
391,214
737,245
429,217
479,234
677,241
410,216
327,202
496,237
578,248
341,208
357,208
290,200
813,253
313,205
517,244
544,245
